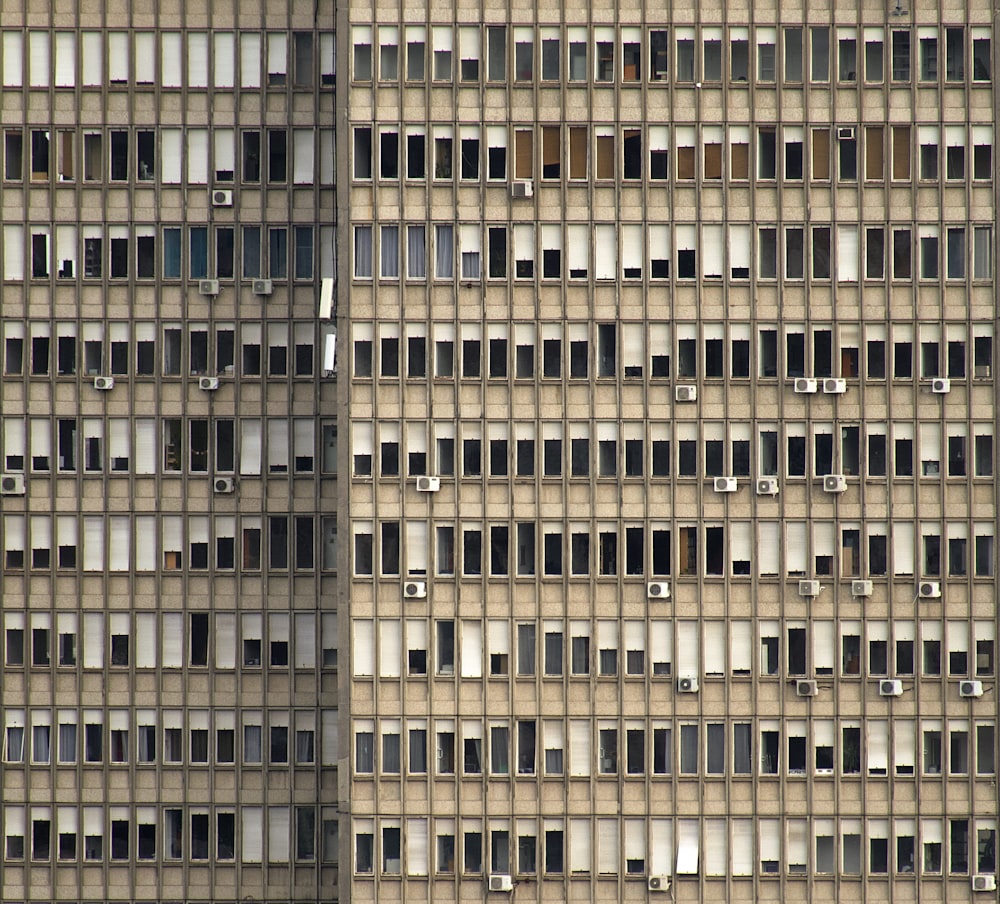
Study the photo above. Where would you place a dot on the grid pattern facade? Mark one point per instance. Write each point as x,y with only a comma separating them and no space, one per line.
671,504
168,681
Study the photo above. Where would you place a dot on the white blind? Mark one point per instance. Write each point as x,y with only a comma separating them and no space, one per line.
741,646
579,845
93,640
225,59
687,648
498,636
170,155
197,59
250,446
93,58
363,647
13,62
93,543
416,847
277,445
661,846
118,57
65,59
121,530
607,846
38,59
605,252
712,244
253,834
303,141
687,847
714,634
472,649
389,647
278,823
225,640
769,547
249,60
579,747
716,859
878,746
742,847
770,840
145,446
740,540
145,640
145,57
904,743
305,640
416,547
902,547
173,640
824,645
798,841
635,839
197,156
145,542
329,737
847,253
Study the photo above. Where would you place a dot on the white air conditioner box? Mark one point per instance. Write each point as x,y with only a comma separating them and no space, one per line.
222,197
929,590
223,484
262,287
428,484
686,394
806,385
767,486
209,384
941,385
104,383
834,386
521,189
687,685
861,588
657,590
208,287
970,688
834,483
806,688
724,484
11,484
890,687
415,590
809,588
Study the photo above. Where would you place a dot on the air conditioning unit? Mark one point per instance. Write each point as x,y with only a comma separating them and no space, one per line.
724,484
890,687
208,287
941,385
809,588
929,590
686,394
104,383
11,484
658,883
223,484
806,688
834,483
658,591
845,133
834,386
806,385
521,189
687,685
262,287
970,688
984,882
209,384
501,882
861,588
222,197
767,486
428,484
415,590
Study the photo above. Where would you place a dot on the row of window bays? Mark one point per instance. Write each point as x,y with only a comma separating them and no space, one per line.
633,449
661,648
192,59
557,549
739,252
160,737
169,640
65,348
66,834
170,543
872,153
174,445
633,55
636,349
169,156
635,747
165,252
585,848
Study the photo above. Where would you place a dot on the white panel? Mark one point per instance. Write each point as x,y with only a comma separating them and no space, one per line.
65,59
38,59
93,640
253,834
173,640
902,548
170,155
363,647
225,640
416,847
118,54
389,647
197,156
145,57
847,253
249,60
472,649
225,60
93,58
302,159
769,547
145,640
13,59
197,59
716,858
